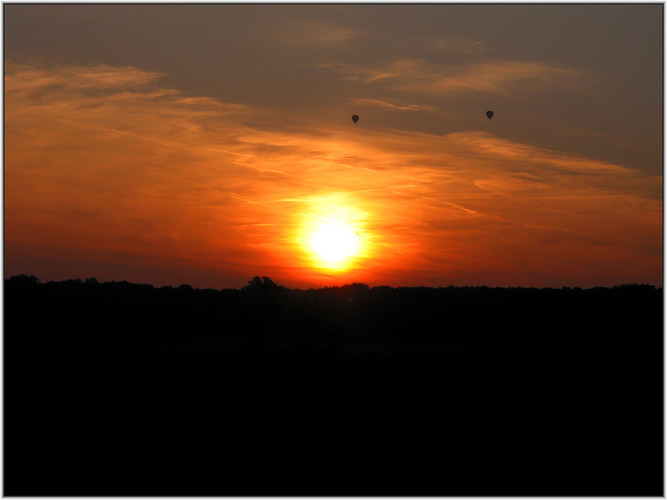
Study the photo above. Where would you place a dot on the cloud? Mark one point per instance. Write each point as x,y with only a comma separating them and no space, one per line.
104,167
454,46
24,78
99,158
306,32
379,103
505,77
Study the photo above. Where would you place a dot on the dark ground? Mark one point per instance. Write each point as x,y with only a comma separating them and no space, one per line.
121,389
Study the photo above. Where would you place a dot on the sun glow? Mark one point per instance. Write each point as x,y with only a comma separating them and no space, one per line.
330,237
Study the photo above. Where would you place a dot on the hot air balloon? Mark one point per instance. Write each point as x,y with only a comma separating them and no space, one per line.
489,114
355,118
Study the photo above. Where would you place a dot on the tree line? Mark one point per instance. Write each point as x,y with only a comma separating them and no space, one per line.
117,388
264,311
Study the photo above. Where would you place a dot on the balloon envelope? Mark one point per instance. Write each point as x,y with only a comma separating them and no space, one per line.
489,114
355,118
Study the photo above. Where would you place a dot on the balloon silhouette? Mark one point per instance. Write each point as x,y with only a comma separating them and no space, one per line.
355,118
489,114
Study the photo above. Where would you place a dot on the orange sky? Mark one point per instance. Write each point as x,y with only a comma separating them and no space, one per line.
106,168
111,172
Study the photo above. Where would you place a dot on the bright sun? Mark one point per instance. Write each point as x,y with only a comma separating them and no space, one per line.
330,236
334,243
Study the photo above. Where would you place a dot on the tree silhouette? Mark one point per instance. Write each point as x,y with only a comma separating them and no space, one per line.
24,278
261,284
382,375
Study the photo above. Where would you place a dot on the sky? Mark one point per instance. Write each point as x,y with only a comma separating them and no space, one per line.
207,144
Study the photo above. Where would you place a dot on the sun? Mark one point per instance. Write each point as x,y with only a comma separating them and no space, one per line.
332,236
333,243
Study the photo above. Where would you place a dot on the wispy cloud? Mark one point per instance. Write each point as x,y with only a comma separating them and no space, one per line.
379,103
306,32
454,46
414,75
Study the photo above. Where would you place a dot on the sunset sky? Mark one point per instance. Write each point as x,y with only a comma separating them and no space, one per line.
207,144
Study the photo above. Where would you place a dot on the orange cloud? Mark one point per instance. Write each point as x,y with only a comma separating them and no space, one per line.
107,172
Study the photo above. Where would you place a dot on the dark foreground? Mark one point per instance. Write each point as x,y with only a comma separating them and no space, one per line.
120,389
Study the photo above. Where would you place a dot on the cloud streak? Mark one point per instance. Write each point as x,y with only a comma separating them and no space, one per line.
504,77
305,32
382,104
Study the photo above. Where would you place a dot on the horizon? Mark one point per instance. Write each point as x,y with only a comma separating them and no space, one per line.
205,144
92,279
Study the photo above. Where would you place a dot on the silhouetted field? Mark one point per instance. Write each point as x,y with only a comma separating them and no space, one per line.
126,389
